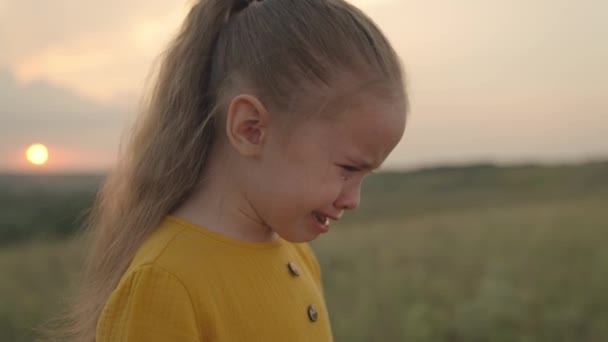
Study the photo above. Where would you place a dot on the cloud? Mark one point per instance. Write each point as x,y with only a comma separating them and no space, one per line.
101,50
42,112
27,26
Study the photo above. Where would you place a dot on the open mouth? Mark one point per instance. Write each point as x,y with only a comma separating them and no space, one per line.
322,219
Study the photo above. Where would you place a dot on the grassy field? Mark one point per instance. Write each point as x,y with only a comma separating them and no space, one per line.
454,254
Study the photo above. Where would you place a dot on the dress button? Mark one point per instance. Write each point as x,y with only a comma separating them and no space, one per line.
293,269
312,313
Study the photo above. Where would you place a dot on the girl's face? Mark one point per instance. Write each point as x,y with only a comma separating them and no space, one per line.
311,177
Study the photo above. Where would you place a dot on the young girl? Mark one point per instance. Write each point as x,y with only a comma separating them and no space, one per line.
265,119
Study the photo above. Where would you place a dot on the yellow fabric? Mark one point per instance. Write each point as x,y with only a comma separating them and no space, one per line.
187,283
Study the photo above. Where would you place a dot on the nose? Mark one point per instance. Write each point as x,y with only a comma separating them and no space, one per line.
349,198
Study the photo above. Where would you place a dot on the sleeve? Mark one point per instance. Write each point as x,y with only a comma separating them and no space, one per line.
149,305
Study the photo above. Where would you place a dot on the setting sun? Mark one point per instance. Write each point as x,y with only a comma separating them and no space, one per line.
37,154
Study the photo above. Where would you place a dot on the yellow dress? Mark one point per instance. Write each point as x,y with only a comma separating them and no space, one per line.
187,283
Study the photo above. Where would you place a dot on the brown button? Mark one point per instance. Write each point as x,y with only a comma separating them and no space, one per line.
293,269
312,313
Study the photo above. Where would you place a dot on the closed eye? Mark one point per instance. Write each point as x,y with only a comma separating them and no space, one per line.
349,168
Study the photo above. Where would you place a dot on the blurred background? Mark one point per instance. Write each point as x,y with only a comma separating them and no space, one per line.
488,222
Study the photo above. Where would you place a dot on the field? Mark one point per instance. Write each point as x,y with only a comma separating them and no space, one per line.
476,253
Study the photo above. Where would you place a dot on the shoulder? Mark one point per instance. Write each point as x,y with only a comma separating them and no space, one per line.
171,247
149,303
152,278
161,241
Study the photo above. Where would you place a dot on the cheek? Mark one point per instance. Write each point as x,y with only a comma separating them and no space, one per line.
294,193
303,180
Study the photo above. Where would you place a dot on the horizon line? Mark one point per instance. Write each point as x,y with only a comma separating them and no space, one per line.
402,169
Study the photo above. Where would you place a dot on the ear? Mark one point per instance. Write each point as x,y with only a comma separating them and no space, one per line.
247,125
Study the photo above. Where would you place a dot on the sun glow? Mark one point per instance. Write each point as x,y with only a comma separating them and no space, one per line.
37,154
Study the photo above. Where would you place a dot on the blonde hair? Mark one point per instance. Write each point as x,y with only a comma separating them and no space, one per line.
282,50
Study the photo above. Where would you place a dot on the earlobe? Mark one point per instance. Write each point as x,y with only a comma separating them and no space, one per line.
247,125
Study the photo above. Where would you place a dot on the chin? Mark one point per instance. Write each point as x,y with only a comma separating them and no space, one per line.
299,231
298,236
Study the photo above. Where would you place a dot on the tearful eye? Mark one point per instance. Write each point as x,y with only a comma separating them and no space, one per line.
349,168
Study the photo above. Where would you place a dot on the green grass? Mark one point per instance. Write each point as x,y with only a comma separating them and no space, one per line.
35,277
518,273
455,254
43,206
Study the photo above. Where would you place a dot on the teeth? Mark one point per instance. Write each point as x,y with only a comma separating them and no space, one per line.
321,218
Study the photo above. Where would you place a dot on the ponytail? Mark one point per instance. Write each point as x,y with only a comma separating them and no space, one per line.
167,152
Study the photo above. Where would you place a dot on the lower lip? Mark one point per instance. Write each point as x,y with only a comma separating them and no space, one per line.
321,228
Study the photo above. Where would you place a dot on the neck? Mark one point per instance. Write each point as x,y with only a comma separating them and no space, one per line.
220,206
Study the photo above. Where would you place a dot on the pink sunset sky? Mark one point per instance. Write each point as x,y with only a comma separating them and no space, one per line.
495,81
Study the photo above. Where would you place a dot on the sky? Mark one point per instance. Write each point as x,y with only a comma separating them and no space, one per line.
490,81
